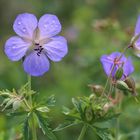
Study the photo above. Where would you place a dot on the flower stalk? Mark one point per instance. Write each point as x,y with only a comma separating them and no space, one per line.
32,117
83,131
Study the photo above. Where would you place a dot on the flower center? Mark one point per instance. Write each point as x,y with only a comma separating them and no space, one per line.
117,61
38,49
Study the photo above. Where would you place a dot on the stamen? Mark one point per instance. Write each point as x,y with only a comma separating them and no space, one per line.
38,48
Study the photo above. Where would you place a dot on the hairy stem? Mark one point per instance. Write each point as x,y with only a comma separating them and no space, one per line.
83,131
30,100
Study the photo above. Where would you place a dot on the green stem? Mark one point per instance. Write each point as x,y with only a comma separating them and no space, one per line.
32,119
33,128
118,120
29,89
83,131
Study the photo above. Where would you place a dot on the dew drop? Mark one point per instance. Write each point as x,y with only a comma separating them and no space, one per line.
19,23
45,25
53,21
24,29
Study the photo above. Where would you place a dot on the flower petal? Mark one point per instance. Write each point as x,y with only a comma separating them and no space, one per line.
49,26
25,24
56,49
15,48
128,67
36,65
115,55
107,64
137,28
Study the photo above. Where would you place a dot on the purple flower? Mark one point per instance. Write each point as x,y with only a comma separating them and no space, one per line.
108,61
37,42
137,37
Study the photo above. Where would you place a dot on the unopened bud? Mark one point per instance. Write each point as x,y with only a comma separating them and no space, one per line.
92,98
97,89
16,104
108,106
119,73
122,86
131,84
89,113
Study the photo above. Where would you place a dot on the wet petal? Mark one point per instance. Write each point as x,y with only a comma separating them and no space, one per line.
15,48
36,65
107,64
49,26
57,48
25,24
137,28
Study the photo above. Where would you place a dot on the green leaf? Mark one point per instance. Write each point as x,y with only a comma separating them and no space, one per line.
44,126
109,117
103,134
51,101
65,110
43,109
66,125
26,130
77,105
10,102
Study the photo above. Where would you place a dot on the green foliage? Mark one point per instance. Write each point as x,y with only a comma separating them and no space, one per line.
26,129
88,110
43,124
92,28
21,106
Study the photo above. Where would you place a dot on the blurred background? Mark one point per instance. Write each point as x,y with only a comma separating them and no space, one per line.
92,28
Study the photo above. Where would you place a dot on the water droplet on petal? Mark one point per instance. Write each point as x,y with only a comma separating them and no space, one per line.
19,23
24,29
53,21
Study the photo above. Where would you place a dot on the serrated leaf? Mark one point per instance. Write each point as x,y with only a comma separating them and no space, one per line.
106,118
5,101
43,109
77,105
51,101
103,134
44,126
4,94
10,102
66,125
65,110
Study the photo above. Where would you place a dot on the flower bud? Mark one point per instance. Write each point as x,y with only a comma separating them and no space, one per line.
89,113
97,89
131,84
108,106
119,73
122,86
16,104
134,39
